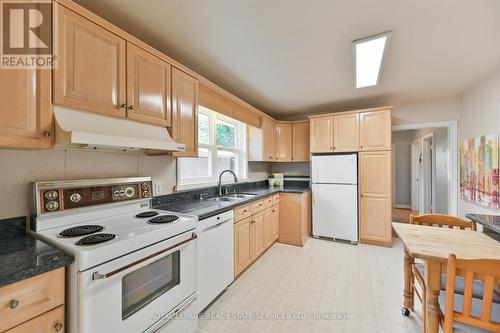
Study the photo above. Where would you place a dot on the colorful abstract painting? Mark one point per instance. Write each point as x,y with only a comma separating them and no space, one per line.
479,170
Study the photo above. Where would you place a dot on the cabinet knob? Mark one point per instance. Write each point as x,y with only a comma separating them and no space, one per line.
124,105
46,134
331,147
58,327
13,303
131,107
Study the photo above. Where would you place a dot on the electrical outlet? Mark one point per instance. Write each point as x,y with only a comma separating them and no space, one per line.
158,189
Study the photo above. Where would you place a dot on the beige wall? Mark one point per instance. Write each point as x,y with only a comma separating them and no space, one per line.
292,169
480,115
434,110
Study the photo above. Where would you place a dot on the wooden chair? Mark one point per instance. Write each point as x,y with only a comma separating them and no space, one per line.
466,311
440,221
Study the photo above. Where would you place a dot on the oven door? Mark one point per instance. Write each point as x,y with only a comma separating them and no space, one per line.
137,291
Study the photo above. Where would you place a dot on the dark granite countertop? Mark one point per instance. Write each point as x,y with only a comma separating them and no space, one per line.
205,209
490,221
23,256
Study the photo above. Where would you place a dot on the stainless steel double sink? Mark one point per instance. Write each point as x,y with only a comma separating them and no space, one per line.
231,197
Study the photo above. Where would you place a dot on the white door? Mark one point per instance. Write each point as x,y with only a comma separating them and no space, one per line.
335,211
415,175
335,169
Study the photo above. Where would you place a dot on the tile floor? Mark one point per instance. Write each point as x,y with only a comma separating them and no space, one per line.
359,287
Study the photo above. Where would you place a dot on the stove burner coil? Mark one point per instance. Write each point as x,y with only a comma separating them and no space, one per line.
164,219
95,239
146,214
81,230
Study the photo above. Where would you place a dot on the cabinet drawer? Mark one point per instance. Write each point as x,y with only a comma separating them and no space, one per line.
49,322
258,206
242,212
276,199
269,201
24,300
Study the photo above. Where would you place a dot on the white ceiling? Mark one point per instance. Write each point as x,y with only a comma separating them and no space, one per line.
294,56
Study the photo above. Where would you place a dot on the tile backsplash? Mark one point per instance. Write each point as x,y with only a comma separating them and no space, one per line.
19,168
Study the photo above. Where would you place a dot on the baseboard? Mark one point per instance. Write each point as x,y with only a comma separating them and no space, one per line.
402,206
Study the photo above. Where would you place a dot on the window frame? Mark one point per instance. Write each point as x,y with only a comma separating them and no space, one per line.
241,152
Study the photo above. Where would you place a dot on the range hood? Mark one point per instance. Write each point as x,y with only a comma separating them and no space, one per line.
87,130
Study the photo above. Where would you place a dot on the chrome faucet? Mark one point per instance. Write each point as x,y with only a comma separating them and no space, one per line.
220,180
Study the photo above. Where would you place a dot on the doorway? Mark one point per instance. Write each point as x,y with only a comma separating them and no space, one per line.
424,169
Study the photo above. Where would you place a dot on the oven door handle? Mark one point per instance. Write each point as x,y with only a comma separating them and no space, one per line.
98,276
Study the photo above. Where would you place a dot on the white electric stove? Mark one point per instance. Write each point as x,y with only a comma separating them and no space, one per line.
134,268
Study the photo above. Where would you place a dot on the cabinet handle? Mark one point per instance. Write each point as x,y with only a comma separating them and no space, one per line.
252,221
361,146
274,210
46,134
131,107
58,327
244,210
124,105
13,303
331,147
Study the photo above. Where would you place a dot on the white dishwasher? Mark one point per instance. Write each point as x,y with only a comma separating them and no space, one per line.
215,259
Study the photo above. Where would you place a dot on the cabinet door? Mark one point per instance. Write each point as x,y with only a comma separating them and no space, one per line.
25,110
375,193
91,73
321,134
185,112
300,146
242,245
284,142
375,130
268,227
276,223
268,138
49,322
148,87
258,231
346,133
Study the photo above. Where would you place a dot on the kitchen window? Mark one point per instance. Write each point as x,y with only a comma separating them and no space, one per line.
222,144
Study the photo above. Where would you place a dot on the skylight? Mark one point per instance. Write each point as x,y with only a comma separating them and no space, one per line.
369,57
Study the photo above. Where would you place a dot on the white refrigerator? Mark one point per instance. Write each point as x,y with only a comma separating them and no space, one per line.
335,196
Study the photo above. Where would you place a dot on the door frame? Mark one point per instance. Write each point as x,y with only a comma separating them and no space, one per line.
415,175
428,185
451,125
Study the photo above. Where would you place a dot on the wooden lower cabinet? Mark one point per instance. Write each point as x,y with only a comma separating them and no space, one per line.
295,218
253,235
242,245
375,198
49,322
33,305
259,238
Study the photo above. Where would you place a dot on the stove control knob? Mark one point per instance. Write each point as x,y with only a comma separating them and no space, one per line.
116,193
145,186
122,193
52,206
75,197
145,194
129,191
51,195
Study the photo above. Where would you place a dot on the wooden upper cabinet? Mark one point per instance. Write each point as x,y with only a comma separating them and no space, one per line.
300,146
148,87
376,197
185,112
375,130
25,109
91,72
284,142
269,139
321,137
346,133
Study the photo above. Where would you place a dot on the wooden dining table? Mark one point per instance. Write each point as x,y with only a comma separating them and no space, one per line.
432,245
